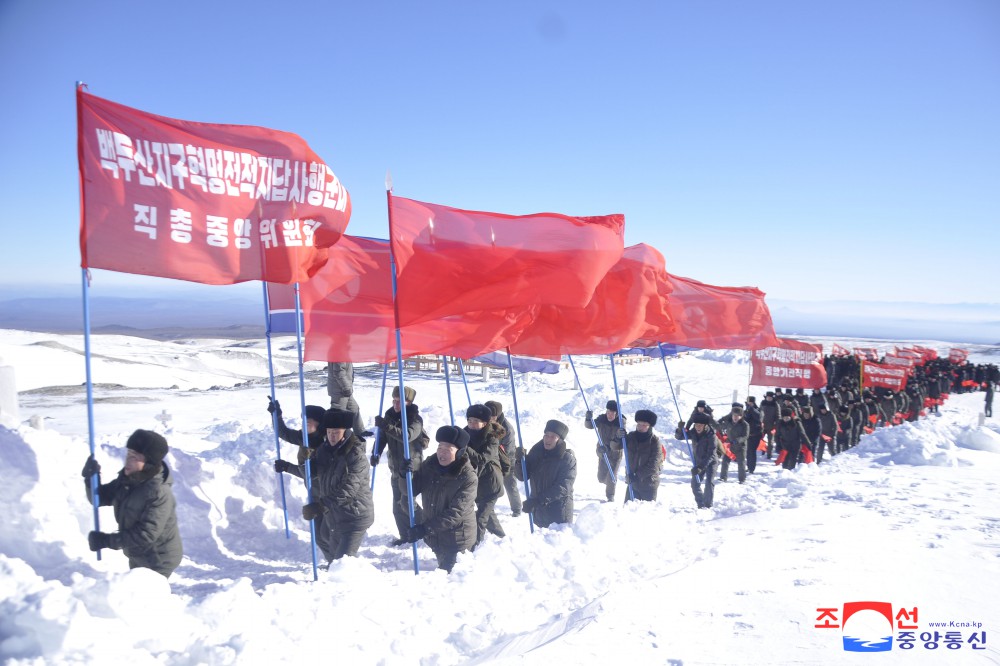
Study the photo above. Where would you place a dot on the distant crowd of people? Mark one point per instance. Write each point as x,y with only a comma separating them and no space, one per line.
471,467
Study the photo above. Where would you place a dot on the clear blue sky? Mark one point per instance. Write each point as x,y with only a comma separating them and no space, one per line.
822,149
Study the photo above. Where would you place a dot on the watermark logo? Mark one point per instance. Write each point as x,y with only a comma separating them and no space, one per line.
871,626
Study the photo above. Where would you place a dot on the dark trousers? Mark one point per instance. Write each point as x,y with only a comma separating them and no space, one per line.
609,479
486,520
704,497
401,506
752,451
513,496
447,557
741,465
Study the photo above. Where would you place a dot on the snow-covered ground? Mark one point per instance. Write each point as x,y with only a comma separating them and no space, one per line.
908,517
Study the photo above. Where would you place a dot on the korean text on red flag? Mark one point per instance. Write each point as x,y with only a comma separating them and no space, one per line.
216,204
791,364
887,376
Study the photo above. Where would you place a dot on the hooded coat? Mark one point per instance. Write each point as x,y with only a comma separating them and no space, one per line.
341,484
146,512
551,474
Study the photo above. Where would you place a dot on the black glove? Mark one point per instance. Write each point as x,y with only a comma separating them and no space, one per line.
416,533
90,468
379,421
273,405
373,459
282,466
622,434
98,540
520,454
696,471
602,450
529,505
407,466
632,477
589,416
312,511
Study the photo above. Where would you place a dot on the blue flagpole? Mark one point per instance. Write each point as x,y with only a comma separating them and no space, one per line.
94,494
520,440
677,406
604,451
399,365
461,366
274,416
447,387
621,426
378,431
302,400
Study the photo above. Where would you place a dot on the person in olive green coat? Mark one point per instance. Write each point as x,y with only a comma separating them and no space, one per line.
447,481
144,506
551,473
644,457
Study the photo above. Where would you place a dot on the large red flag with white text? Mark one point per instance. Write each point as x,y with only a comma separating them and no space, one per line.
789,364
711,317
957,355
887,376
451,261
216,204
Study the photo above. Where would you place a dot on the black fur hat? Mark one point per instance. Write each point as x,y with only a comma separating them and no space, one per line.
481,412
315,412
645,416
151,445
453,435
611,405
700,417
338,418
787,411
557,427
495,407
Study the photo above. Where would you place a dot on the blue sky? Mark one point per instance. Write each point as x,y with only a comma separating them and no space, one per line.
819,150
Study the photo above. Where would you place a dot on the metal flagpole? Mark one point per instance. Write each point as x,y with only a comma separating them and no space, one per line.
94,494
302,400
274,416
461,366
604,449
399,366
621,426
447,388
381,404
677,406
520,440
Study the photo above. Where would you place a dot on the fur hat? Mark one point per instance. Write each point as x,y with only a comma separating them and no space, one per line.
844,409
495,407
481,412
611,405
738,411
701,403
700,417
338,419
407,391
315,413
752,399
645,416
769,394
453,435
737,404
557,427
787,411
151,445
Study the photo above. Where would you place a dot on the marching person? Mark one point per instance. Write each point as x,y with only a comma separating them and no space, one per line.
737,432
314,419
770,414
610,443
447,483
342,503
390,428
754,419
551,472
790,438
340,388
144,506
484,453
507,453
644,457
828,438
704,448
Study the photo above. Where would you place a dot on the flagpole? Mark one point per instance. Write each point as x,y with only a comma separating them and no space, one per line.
447,388
302,400
274,415
399,367
520,440
94,481
604,450
378,431
677,406
621,426
461,366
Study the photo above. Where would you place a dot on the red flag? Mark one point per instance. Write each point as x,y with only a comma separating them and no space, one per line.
869,353
630,303
216,204
710,317
887,376
347,307
790,364
451,261
891,359
958,355
839,351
